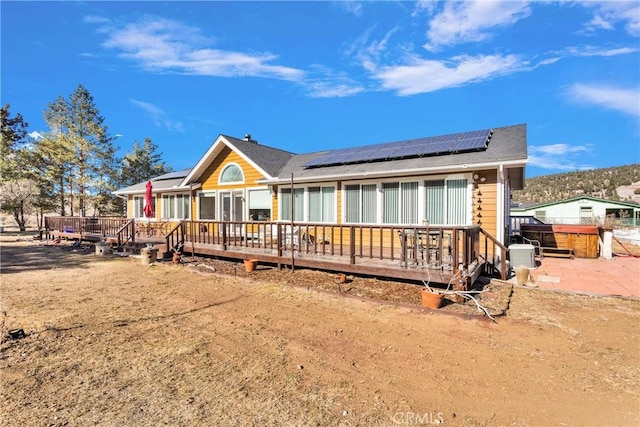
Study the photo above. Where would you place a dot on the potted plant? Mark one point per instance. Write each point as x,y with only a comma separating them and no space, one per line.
431,298
341,278
250,265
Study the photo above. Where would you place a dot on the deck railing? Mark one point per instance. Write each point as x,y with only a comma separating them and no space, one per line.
104,226
127,233
445,247
459,250
175,238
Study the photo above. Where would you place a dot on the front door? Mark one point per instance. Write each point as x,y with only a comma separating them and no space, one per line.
231,206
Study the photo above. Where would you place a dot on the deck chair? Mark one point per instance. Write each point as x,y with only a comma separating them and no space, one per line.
292,237
411,245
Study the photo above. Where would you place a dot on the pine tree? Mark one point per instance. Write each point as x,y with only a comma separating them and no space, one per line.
142,163
16,190
13,136
77,151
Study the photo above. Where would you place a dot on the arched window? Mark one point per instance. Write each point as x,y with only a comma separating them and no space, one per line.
231,174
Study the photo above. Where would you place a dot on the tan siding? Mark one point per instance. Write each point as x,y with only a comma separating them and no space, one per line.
130,207
485,205
211,177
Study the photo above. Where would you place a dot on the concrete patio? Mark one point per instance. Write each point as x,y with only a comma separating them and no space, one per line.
617,276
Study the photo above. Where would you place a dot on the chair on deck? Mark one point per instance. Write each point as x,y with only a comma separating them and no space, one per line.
413,247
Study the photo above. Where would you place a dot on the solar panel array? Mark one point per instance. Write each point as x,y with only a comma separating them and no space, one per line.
444,144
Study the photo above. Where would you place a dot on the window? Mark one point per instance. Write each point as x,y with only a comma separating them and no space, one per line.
207,206
259,205
175,206
321,202
138,206
456,206
586,214
446,201
352,200
313,204
434,212
231,174
361,203
369,203
286,204
390,203
400,203
541,215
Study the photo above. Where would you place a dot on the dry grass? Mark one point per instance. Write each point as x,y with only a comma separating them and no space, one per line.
110,342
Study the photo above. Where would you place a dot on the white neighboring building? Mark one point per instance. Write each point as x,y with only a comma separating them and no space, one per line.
581,210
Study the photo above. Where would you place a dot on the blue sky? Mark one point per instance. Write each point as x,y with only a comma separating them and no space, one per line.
311,76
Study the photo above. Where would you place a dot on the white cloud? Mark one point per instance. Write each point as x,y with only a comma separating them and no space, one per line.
599,51
333,89
164,45
351,6
35,135
607,14
562,157
158,116
585,51
559,149
423,76
624,100
462,22
92,19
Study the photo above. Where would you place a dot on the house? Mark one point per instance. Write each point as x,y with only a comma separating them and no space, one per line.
459,179
580,210
432,208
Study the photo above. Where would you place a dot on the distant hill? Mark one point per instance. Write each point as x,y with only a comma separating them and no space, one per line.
614,183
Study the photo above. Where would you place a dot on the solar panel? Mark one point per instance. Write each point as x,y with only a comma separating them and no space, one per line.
449,144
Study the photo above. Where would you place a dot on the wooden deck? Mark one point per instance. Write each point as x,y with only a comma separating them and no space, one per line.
366,266
456,255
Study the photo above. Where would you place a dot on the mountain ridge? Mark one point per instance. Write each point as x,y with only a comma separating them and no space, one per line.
620,183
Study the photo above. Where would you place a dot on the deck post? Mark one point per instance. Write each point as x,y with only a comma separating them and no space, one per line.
352,245
279,244
224,236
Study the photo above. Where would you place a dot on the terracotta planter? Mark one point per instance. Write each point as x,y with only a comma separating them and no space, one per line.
341,278
250,264
431,300
177,257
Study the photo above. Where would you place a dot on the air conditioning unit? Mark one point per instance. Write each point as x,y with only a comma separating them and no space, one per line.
522,254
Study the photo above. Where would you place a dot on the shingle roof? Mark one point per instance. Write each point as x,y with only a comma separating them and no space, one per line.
270,159
507,144
163,182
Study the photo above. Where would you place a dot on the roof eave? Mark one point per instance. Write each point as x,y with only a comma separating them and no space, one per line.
435,170
156,190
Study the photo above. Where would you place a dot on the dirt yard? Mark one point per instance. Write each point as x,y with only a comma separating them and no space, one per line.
112,342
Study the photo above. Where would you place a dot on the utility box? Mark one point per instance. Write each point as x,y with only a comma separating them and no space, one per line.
522,254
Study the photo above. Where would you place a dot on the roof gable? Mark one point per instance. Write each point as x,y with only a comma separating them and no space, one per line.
266,160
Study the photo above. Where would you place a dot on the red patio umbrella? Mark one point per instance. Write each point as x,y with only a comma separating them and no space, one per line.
148,201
